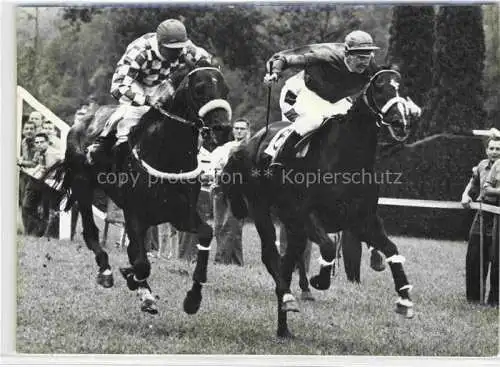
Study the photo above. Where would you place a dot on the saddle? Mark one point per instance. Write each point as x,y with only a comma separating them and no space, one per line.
302,146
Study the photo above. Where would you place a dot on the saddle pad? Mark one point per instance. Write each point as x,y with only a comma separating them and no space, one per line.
278,140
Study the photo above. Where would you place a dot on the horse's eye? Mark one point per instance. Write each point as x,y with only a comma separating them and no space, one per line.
199,89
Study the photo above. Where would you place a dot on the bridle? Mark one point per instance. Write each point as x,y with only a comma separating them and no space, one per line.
215,103
380,112
207,107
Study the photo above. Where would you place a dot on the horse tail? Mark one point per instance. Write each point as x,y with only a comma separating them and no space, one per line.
59,174
237,172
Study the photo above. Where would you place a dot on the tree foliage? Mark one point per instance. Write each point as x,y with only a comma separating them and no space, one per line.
410,47
492,63
78,54
456,101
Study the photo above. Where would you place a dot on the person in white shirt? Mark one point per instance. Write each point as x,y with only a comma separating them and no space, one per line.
227,229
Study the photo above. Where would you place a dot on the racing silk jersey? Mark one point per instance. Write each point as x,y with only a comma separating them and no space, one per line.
142,65
325,71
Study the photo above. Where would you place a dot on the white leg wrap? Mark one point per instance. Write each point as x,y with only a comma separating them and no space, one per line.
370,249
145,294
139,280
396,259
201,248
323,262
107,272
287,297
404,302
408,286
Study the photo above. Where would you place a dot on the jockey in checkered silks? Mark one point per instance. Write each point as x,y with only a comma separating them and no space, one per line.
141,79
331,74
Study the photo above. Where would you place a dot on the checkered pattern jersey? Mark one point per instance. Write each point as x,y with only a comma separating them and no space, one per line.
143,65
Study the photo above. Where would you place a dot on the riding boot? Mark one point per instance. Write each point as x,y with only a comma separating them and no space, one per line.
287,150
120,153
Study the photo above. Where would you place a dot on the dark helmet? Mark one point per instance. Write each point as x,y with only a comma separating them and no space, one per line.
172,34
359,41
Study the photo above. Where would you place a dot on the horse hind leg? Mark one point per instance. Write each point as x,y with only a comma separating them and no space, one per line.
83,195
192,301
306,294
374,235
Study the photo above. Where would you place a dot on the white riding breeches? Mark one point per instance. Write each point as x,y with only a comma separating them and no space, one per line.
130,115
305,108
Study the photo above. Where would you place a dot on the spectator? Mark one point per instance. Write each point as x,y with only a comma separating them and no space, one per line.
36,118
492,188
33,200
227,229
26,158
49,129
27,145
483,186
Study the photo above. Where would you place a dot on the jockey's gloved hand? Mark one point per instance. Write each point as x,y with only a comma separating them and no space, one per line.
274,68
271,78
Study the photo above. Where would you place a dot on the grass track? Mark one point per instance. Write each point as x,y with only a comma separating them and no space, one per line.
61,309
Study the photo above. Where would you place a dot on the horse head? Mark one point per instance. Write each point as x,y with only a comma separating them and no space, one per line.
169,141
381,95
202,97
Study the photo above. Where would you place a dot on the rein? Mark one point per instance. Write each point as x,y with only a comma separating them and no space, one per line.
207,107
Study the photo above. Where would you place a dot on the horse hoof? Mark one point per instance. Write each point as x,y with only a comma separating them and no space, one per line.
376,261
149,306
128,275
319,283
284,334
192,302
105,280
406,311
307,296
289,304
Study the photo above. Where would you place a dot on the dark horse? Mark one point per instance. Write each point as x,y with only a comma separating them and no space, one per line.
156,179
331,189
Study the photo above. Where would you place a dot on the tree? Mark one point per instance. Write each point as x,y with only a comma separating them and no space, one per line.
492,63
410,47
456,101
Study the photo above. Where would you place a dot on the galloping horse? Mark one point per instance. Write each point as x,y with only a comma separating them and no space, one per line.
326,191
156,180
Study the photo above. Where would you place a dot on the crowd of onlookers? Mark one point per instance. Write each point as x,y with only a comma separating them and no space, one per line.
40,149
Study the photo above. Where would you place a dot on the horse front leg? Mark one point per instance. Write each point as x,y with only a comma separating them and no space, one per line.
193,298
83,193
137,274
271,259
374,235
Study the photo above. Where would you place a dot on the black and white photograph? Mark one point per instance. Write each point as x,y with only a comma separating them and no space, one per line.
281,179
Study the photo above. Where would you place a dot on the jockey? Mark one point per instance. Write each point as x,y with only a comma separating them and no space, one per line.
141,79
332,72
